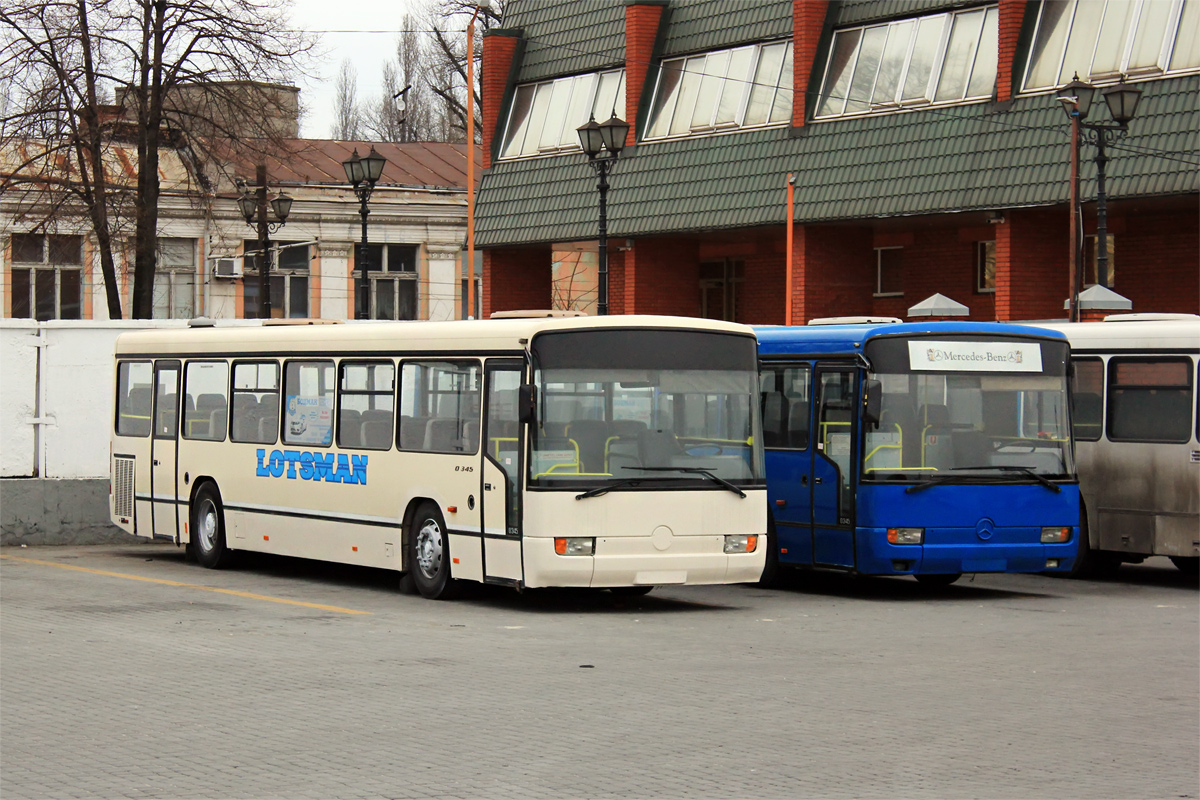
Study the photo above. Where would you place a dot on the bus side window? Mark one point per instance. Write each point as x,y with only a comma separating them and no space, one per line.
133,398
255,413
785,399
439,406
1087,399
1149,399
205,384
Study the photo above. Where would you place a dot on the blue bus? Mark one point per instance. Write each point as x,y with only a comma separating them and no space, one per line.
924,449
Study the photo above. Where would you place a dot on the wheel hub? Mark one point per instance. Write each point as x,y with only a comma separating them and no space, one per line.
207,526
429,549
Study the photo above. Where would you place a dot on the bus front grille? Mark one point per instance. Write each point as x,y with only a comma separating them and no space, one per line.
123,487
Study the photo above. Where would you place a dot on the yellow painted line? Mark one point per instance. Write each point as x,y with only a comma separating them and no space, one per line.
164,582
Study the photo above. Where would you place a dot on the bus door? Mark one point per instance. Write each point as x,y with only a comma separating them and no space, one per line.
787,441
500,473
835,432
164,451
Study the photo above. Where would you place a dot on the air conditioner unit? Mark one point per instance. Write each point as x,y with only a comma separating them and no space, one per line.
227,268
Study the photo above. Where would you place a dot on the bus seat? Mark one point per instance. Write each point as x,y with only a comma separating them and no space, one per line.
936,447
441,435
627,428
210,411
349,428
412,432
268,418
774,416
377,429
245,417
590,435
470,436
216,425
656,448
934,415
798,425
554,430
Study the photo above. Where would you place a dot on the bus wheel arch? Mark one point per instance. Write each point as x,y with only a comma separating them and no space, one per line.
206,533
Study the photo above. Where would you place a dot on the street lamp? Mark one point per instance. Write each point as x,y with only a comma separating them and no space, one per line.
253,206
1122,101
363,172
608,138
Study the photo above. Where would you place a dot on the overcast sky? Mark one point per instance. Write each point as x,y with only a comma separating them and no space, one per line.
367,51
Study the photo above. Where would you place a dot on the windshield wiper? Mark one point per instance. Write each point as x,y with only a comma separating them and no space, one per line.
697,471
599,490
1054,487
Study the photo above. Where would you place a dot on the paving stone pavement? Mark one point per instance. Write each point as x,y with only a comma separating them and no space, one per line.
1000,687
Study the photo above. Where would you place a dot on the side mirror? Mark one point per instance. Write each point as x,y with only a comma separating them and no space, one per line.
526,402
872,401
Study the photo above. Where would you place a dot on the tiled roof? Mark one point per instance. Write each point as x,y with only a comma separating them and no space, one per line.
567,38
921,162
699,25
856,12
412,164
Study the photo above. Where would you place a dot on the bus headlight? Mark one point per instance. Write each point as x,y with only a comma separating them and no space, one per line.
906,535
741,543
574,546
1056,535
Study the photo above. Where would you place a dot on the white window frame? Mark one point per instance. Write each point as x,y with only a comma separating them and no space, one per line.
879,274
385,274
565,144
172,275
1160,68
250,273
783,83
46,265
898,103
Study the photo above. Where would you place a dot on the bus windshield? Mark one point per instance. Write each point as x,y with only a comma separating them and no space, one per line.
967,407
645,409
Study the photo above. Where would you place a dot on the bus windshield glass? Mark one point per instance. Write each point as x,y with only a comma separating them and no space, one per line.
644,409
959,408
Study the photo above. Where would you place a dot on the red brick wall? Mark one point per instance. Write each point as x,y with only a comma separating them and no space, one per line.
661,276
833,271
1012,17
937,261
641,30
762,293
516,278
498,49
1031,264
1157,260
808,18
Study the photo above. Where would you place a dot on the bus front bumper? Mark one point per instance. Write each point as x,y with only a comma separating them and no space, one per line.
636,561
950,550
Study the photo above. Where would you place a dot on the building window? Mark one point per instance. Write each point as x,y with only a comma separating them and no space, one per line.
289,279
1102,41
174,295
985,267
47,279
392,274
723,90
544,116
1090,261
940,58
719,282
889,271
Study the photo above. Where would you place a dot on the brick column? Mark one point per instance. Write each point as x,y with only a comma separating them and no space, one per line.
808,19
1012,17
642,18
1031,264
499,48
833,272
515,278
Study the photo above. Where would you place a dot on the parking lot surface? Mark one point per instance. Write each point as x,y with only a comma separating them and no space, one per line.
128,671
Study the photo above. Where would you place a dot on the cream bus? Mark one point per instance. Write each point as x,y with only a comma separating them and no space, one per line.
1135,423
608,452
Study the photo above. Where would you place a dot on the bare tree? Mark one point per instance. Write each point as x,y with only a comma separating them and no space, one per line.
347,122
449,22
194,75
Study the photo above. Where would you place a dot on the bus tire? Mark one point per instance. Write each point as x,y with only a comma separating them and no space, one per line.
407,585
430,557
1188,564
208,528
937,578
631,591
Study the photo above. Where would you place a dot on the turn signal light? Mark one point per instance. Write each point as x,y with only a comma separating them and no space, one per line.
1056,535
741,543
574,546
906,535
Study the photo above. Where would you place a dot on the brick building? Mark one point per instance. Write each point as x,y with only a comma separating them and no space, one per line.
929,151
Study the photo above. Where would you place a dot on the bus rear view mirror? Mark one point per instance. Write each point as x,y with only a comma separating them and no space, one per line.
526,402
872,401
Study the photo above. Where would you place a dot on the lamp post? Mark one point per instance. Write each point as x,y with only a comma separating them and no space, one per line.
254,208
480,5
1122,101
607,138
363,172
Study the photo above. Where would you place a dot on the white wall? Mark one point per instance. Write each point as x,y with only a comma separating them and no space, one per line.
56,395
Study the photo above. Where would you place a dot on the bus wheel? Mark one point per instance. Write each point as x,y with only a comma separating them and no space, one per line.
208,529
937,579
1188,564
430,557
631,591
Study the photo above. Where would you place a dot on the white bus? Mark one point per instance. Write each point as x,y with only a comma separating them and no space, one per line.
611,452
1135,423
